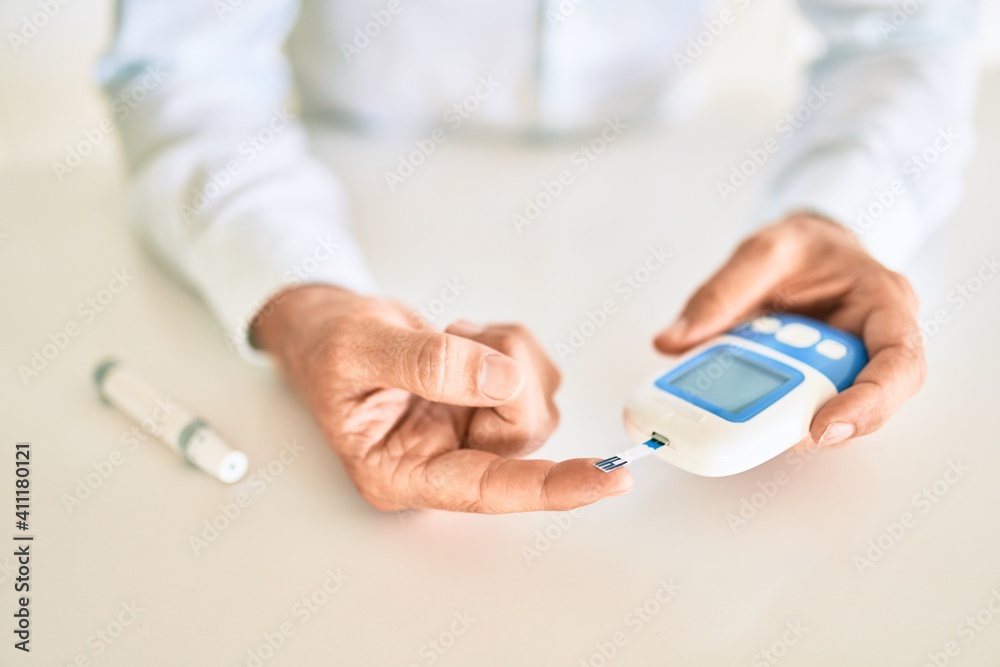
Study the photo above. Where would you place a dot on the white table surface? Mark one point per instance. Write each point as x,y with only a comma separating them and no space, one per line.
411,575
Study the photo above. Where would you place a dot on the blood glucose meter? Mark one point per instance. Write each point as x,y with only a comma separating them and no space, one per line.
742,398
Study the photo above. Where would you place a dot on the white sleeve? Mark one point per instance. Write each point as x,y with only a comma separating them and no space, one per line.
888,124
223,186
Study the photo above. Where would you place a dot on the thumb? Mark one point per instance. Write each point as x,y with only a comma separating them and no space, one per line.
443,368
739,287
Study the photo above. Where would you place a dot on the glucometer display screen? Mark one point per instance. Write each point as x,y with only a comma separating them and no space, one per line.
728,381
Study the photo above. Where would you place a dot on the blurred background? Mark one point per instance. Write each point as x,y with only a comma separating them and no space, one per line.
48,97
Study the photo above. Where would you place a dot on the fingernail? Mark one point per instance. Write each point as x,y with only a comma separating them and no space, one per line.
464,328
499,377
836,432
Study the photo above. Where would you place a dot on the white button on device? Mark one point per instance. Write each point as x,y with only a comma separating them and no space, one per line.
766,324
798,335
832,349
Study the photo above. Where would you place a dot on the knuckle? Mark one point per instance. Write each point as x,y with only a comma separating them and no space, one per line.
378,482
514,336
911,365
474,506
919,365
478,437
481,504
511,343
380,503
432,358
511,339
914,343
902,287
520,434
515,330
373,492
808,226
872,405
557,376
486,430
531,436
553,418
771,243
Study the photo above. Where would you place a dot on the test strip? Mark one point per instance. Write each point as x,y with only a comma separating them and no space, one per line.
631,455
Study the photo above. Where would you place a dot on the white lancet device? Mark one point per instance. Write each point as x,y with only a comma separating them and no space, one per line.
742,398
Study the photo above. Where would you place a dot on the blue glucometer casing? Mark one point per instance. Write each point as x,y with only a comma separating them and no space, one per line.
742,398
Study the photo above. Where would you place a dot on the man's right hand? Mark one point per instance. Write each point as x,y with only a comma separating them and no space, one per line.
425,419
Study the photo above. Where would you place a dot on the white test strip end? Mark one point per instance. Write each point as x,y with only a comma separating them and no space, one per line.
632,454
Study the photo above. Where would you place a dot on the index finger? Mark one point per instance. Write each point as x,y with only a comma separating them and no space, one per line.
471,480
735,290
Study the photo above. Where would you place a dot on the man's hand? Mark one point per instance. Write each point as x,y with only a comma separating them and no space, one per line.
424,419
816,267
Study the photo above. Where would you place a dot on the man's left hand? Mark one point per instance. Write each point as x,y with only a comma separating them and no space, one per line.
816,267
